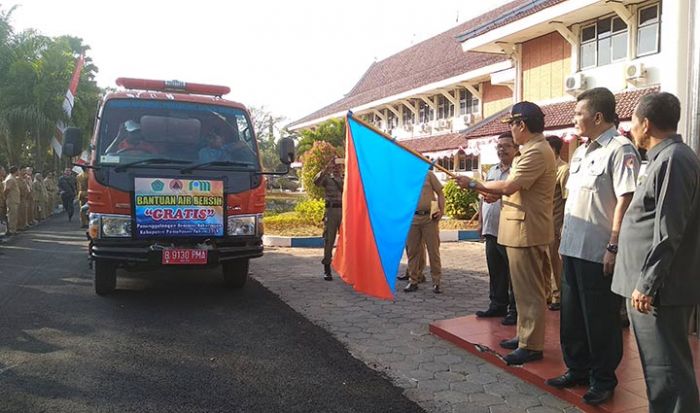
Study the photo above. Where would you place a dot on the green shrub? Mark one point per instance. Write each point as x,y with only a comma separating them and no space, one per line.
311,211
291,224
314,160
460,203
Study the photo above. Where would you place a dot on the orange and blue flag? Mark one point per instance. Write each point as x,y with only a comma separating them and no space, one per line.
383,182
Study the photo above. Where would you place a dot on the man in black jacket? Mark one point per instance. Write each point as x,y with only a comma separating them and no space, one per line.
67,190
659,255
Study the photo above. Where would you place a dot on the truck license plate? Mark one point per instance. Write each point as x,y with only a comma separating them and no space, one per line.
183,256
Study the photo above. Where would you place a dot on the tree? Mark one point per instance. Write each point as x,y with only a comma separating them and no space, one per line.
331,131
314,160
35,71
268,132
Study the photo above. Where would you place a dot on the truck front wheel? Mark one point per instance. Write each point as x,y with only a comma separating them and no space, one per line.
105,277
235,273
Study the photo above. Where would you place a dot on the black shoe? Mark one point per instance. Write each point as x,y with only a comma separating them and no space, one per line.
492,312
510,320
410,288
436,289
511,343
328,277
567,380
595,396
402,277
554,307
522,356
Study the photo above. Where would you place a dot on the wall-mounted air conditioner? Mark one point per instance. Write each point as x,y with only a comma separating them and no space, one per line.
575,83
635,71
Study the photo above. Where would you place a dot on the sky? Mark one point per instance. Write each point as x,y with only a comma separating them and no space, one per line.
290,57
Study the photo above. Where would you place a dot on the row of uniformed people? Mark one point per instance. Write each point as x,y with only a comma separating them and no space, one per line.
27,198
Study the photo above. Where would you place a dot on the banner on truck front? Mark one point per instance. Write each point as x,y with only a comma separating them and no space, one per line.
170,207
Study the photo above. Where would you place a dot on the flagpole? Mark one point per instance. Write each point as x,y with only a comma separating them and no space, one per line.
395,142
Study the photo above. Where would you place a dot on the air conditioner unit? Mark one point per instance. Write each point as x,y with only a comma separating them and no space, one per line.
635,71
468,119
443,124
575,83
424,127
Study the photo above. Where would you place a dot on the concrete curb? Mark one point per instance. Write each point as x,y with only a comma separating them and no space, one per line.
452,235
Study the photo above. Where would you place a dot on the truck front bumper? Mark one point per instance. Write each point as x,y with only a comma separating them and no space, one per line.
150,253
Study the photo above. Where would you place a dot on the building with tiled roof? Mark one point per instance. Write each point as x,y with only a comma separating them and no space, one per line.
444,97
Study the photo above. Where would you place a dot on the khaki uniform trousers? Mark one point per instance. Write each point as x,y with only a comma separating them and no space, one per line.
528,273
330,230
22,213
84,215
424,233
12,217
553,287
30,209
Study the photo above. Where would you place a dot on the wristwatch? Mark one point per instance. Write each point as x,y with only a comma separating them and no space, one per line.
612,248
472,185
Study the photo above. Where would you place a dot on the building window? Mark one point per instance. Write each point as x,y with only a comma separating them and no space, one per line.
392,120
648,30
408,118
445,108
603,42
467,103
425,112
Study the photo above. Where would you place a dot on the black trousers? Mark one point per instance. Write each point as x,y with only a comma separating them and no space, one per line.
500,287
662,339
68,204
591,333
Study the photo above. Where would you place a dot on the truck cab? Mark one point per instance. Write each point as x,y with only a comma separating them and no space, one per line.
174,180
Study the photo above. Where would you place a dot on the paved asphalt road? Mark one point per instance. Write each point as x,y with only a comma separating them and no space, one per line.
176,342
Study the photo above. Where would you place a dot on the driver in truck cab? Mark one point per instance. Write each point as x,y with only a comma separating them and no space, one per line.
217,150
134,140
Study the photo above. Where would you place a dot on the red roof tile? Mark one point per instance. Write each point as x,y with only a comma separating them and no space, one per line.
557,116
432,60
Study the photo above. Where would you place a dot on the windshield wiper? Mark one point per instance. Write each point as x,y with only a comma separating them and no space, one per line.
246,165
148,161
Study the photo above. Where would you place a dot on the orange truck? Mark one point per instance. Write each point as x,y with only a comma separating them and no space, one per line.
174,180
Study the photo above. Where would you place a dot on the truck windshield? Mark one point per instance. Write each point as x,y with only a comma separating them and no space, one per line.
132,130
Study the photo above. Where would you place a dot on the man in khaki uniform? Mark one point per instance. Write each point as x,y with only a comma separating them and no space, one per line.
31,219
560,194
425,232
330,179
82,180
22,222
12,199
52,191
526,227
39,197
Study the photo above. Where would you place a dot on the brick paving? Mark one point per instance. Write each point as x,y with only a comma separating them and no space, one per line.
393,337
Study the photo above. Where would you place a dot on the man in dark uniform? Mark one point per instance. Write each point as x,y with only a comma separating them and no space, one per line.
67,190
659,256
331,180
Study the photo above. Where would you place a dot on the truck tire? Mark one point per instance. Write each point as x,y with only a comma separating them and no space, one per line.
235,273
105,277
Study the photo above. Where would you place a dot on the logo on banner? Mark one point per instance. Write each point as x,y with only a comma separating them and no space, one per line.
176,185
157,185
200,186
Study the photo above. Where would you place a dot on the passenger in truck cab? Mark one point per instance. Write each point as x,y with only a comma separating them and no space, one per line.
134,140
218,150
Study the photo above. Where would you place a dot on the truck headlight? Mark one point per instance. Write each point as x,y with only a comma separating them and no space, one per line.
117,226
242,225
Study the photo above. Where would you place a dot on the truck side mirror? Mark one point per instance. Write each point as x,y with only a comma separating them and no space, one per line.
72,142
286,149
